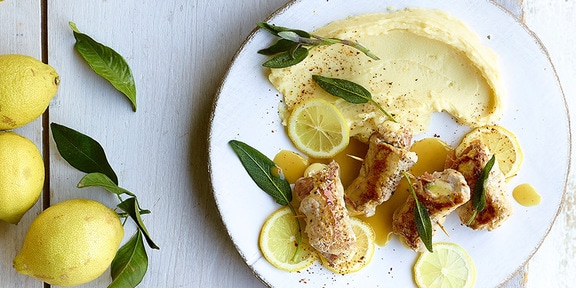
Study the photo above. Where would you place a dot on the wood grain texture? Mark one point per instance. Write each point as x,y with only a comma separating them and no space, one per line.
179,52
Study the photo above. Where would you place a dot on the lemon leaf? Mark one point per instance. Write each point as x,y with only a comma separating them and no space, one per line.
107,63
130,263
101,180
132,207
81,151
264,172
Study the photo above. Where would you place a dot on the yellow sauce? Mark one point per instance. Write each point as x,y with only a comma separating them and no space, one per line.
292,164
526,195
431,157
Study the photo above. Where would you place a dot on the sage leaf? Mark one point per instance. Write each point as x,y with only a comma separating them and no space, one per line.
421,217
101,180
132,207
81,151
479,194
351,92
274,29
287,58
107,63
264,172
280,46
130,263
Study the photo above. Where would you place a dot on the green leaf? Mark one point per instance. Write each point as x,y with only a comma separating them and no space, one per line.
107,63
264,172
132,207
479,194
101,180
130,263
274,30
280,46
351,92
81,151
287,58
421,217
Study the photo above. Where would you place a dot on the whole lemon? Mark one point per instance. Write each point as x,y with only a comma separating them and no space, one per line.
21,176
26,88
70,243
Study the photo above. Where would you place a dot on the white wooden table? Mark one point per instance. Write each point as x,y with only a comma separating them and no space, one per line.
179,51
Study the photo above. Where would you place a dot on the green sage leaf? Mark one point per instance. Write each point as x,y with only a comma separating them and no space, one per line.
107,63
351,92
81,151
280,46
479,194
287,58
101,180
130,263
274,30
264,172
421,217
132,207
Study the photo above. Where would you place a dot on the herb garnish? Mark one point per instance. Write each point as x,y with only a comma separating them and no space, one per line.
107,63
479,194
293,45
352,92
421,217
86,154
267,176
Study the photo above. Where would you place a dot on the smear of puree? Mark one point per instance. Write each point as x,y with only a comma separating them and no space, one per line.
429,62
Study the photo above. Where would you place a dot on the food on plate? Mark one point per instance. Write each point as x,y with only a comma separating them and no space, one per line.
364,249
21,176
328,225
501,142
278,242
449,266
470,162
441,193
387,157
26,87
70,243
318,129
429,62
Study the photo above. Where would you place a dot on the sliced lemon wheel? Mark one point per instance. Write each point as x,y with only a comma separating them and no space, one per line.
279,241
365,245
318,129
501,142
449,266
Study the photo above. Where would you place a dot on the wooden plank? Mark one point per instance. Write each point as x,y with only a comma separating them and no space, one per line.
178,52
20,34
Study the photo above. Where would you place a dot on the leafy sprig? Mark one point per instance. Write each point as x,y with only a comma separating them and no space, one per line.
86,154
107,63
268,176
479,194
294,44
352,92
421,217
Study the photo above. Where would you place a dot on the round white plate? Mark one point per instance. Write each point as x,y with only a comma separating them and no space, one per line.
246,109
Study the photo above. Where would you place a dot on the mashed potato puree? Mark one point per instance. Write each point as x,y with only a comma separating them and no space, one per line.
429,62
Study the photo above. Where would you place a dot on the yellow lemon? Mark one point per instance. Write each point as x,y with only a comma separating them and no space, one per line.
21,176
279,242
499,141
318,129
70,243
449,266
365,246
26,88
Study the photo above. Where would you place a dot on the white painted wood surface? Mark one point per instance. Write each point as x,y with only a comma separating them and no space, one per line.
179,51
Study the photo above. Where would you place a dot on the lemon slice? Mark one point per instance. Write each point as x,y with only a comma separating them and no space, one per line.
318,129
279,240
365,245
449,266
501,142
